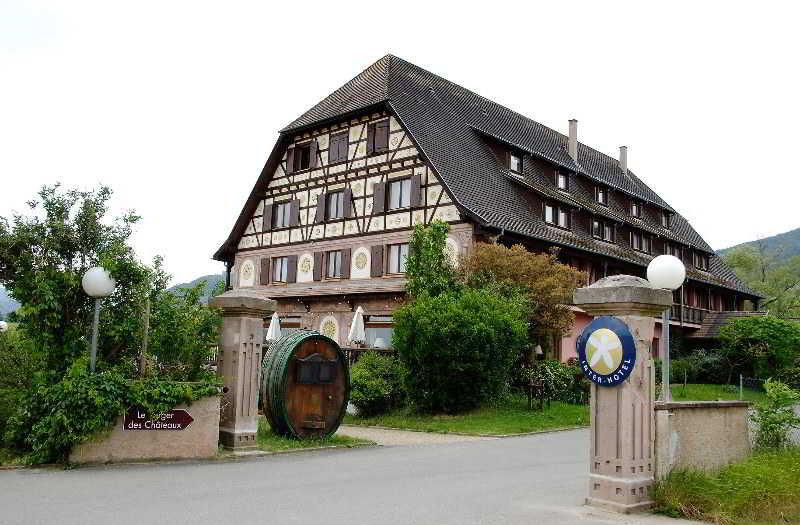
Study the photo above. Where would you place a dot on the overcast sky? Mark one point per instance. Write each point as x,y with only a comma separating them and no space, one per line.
176,105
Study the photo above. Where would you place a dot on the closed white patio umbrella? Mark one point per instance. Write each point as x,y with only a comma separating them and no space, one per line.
274,330
357,334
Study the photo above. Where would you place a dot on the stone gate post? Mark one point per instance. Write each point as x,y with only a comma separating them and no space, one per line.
239,364
622,457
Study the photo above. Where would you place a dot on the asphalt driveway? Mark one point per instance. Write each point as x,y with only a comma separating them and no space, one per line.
538,479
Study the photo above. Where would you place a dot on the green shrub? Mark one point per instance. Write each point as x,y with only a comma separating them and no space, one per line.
775,417
19,365
52,418
458,347
561,381
376,384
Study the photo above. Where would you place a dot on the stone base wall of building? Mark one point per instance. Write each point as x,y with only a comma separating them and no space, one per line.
198,440
701,435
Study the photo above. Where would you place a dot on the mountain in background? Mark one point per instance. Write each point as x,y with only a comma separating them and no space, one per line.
782,246
211,282
7,304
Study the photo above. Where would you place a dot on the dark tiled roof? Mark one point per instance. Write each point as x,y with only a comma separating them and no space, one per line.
713,321
450,124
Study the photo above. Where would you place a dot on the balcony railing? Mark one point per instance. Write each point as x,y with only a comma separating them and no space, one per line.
691,314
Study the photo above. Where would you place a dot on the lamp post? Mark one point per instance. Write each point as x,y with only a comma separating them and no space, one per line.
667,272
97,283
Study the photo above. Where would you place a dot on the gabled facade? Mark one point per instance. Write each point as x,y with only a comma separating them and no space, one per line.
326,227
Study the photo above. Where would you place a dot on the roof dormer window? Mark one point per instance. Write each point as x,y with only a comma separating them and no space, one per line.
636,209
666,219
562,181
700,260
601,195
514,162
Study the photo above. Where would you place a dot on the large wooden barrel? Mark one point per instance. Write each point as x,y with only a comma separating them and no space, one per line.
305,385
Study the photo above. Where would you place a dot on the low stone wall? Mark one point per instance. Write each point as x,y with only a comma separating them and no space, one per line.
701,435
198,440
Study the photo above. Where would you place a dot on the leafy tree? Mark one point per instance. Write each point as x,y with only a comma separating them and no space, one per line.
766,272
43,257
546,284
760,345
182,331
458,347
428,268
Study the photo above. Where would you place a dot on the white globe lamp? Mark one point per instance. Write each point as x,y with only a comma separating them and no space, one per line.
666,272
3,326
97,283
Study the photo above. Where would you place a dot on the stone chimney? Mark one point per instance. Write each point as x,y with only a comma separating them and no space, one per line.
573,139
623,159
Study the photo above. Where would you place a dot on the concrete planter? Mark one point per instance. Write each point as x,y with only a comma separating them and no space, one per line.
701,435
198,440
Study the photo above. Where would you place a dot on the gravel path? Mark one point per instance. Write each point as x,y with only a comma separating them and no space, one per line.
388,437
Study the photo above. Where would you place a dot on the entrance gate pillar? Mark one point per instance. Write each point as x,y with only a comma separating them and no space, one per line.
614,352
239,364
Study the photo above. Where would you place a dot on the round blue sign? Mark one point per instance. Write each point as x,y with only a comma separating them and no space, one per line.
606,351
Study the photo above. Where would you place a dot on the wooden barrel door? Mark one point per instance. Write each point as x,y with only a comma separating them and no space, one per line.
306,383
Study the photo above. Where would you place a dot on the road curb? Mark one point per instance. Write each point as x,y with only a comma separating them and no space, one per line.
223,458
442,432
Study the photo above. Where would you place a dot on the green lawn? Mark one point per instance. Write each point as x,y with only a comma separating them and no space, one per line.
701,392
764,489
511,418
270,442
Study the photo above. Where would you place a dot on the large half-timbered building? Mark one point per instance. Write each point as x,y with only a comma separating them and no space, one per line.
326,227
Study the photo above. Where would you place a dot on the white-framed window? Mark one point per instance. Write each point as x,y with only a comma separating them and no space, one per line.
335,205
398,254
333,265
399,194
515,163
549,214
563,218
557,216
602,230
562,181
282,215
672,249
636,209
601,195
378,329
280,269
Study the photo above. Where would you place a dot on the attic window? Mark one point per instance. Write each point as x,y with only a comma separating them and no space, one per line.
666,219
302,157
515,162
603,230
557,216
700,261
601,195
636,209
640,243
562,181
